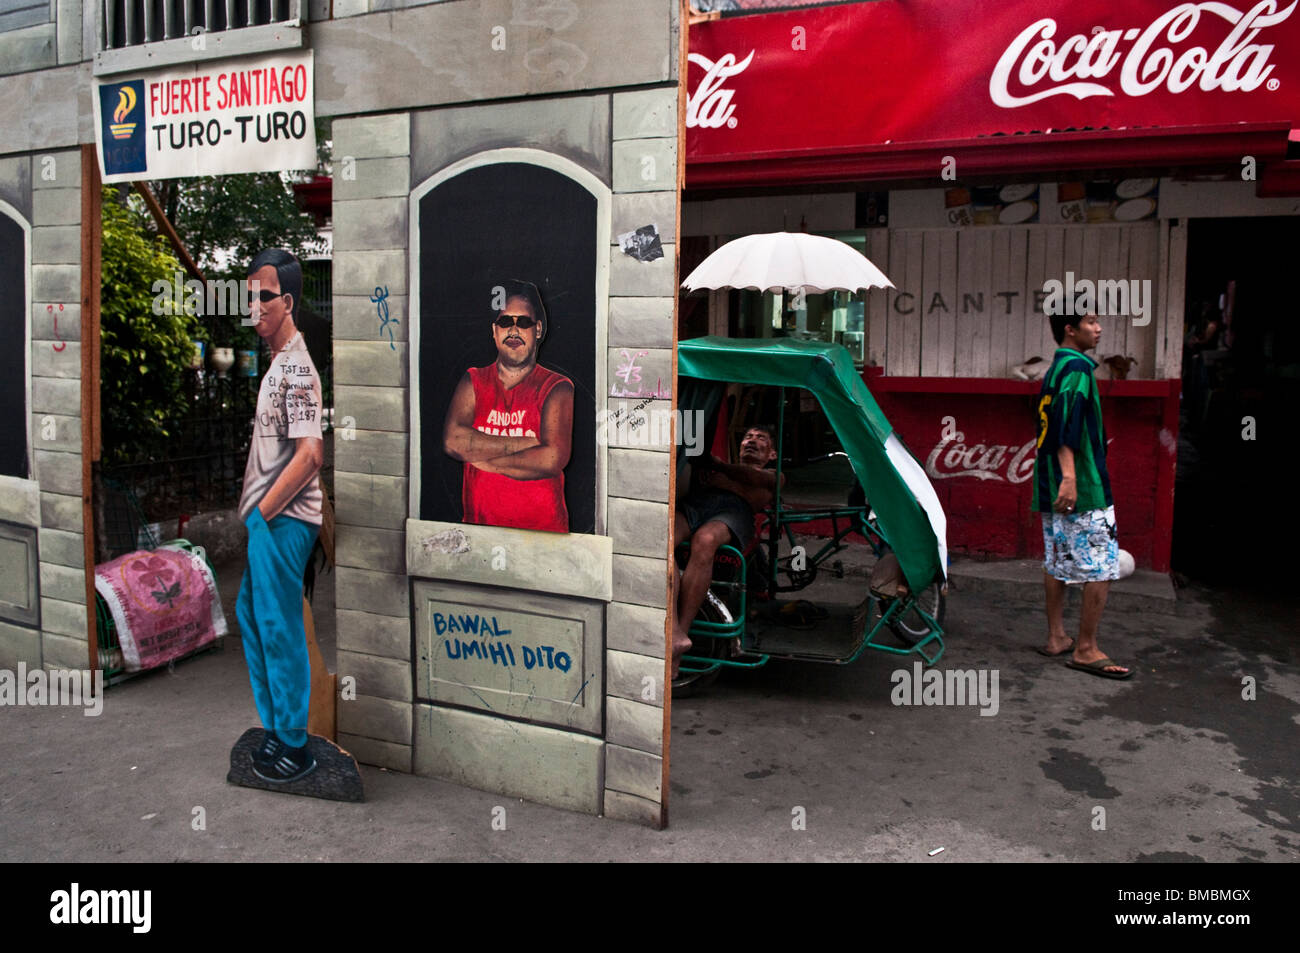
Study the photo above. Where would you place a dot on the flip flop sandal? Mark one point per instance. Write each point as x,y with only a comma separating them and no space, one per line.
1065,651
1099,668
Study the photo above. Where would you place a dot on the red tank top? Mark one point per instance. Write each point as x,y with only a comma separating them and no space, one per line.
494,499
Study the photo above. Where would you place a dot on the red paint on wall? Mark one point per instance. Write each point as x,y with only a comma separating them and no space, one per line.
982,472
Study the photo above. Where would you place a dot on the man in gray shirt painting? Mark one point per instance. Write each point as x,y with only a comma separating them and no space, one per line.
281,506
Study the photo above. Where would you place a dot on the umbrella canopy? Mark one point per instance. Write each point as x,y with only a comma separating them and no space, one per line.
780,260
907,508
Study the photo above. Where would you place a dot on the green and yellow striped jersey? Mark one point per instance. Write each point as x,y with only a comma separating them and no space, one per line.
1069,414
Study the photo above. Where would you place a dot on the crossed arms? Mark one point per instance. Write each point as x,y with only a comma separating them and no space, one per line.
522,458
754,485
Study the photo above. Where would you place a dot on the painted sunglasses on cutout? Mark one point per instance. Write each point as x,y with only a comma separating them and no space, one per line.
267,297
521,321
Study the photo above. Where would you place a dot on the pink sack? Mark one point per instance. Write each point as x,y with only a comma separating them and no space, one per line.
164,605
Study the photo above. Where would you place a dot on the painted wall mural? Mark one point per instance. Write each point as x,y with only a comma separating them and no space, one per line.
507,350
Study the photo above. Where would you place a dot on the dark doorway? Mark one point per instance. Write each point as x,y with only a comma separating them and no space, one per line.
1241,381
13,358
480,228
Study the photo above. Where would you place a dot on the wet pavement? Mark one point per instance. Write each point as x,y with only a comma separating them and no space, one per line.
1174,762
792,762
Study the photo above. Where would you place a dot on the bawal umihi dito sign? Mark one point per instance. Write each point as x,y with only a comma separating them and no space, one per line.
817,80
248,115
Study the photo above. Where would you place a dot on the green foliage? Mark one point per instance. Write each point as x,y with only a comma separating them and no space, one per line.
225,220
142,354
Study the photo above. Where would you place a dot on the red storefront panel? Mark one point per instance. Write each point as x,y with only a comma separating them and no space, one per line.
977,445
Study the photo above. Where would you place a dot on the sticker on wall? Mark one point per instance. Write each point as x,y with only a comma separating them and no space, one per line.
643,243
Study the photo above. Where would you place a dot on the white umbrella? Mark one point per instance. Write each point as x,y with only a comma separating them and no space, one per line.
781,260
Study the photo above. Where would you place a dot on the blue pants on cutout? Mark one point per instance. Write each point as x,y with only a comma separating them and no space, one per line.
271,624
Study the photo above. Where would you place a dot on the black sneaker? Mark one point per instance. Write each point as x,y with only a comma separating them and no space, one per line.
271,748
290,764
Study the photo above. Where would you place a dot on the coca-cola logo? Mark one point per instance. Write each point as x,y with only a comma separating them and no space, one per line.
1159,55
709,106
951,458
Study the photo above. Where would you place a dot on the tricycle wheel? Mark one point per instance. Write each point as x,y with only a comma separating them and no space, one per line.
910,627
686,683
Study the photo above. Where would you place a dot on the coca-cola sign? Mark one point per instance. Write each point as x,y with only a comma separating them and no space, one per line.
709,105
894,73
952,458
1165,52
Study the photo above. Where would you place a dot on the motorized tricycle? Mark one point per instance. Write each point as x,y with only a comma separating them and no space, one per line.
747,618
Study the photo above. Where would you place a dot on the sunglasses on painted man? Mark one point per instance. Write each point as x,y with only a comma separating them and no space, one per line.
521,321
266,297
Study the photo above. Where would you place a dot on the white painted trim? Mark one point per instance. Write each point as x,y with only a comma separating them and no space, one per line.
26,226
604,203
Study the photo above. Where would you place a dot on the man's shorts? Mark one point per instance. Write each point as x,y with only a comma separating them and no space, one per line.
1081,547
721,505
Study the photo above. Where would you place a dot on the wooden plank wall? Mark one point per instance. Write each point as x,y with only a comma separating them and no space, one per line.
964,302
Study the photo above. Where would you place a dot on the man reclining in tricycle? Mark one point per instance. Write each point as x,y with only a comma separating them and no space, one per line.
900,519
719,510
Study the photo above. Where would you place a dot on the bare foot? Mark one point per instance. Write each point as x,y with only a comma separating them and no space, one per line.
1058,645
681,645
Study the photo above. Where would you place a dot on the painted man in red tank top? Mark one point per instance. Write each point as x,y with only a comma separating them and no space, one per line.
511,423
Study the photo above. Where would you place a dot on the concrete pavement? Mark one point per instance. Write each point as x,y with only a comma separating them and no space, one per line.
1184,768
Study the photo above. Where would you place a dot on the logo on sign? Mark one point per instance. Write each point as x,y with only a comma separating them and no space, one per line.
121,113
710,105
126,103
1161,54
951,458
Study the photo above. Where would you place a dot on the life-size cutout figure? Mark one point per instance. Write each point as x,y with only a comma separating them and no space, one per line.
281,506
511,423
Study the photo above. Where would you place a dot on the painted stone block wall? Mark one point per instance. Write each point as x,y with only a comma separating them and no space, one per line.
371,445
627,141
45,189
642,297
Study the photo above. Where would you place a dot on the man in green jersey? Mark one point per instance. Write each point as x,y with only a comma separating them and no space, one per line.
1072,492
